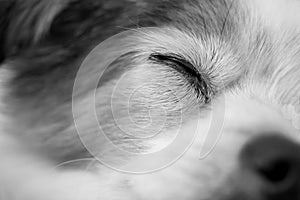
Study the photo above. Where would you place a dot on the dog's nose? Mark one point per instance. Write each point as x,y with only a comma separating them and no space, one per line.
275,161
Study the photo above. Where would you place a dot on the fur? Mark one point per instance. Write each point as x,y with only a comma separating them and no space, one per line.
120,99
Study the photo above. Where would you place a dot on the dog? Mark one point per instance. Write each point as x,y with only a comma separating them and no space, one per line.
149,99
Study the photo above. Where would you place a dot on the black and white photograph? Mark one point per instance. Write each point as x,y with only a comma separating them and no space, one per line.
149,99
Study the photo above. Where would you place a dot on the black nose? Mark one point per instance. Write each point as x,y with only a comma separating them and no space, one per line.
275,161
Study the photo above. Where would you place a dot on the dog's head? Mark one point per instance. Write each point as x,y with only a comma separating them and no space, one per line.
199,98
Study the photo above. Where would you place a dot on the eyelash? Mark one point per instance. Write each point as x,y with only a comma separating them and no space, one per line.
200,84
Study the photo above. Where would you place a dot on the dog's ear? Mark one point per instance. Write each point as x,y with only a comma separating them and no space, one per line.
66,29
87,22
5,7
24,23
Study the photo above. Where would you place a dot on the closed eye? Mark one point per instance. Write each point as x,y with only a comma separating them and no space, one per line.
184,67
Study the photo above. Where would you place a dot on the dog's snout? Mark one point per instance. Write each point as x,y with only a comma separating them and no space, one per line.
274,161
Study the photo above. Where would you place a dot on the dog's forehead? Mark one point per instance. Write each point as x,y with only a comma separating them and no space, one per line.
196,16
262,35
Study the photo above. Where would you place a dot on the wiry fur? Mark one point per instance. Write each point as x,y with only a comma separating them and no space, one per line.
242,50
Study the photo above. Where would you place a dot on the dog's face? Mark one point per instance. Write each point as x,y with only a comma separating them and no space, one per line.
195,100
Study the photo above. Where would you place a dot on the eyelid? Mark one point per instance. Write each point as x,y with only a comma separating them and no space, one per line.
171,59
184,67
